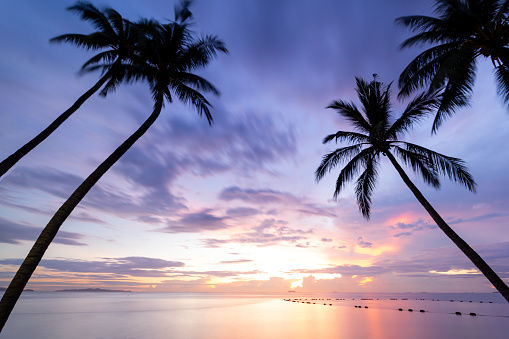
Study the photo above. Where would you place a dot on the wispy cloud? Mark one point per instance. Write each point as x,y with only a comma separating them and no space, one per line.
126,266
15,233
196,222
269,232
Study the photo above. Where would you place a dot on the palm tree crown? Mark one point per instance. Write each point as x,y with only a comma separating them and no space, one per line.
375,135
170,54
116,37
462,32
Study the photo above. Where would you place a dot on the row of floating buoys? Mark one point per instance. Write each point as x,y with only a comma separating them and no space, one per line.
472,313
358,306
411,310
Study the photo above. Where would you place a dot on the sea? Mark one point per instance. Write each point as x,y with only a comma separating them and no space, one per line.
126,315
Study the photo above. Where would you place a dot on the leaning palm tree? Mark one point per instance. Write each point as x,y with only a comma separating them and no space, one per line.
463,32
171,53
376,136
118,37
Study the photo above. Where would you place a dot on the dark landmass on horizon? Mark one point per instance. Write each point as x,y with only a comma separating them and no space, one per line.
25,290
91,290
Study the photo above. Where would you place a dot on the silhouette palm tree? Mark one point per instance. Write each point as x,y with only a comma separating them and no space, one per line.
115,34
170,53
377,136
462,32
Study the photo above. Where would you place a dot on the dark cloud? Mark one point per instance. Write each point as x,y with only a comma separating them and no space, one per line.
127,266
410,228
327,240
270,197
14,233
242,212
481,217
263,196
196,222
363,244
100,197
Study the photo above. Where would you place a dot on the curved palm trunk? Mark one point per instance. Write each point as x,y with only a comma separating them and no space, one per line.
35,255
476,259
11,160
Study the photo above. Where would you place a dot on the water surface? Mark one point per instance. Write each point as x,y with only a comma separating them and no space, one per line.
206,315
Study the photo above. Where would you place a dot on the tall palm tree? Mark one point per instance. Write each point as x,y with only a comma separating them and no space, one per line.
462,32
117,36
375,136
171,53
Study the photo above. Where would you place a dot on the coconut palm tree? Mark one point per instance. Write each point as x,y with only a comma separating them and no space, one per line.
376,136
462,32
116,38
171,54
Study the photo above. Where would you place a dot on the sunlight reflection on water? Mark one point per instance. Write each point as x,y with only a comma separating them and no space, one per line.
180,315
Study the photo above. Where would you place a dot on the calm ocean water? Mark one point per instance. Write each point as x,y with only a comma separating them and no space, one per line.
55,315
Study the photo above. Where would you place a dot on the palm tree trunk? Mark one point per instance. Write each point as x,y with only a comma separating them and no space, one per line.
11,160
476,259
35,255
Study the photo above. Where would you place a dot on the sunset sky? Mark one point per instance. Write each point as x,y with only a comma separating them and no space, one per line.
235,207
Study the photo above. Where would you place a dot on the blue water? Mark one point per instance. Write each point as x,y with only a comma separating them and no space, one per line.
118,315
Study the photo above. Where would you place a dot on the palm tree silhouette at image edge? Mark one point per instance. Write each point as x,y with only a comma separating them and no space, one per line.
114,33
463,32
170,52
375,136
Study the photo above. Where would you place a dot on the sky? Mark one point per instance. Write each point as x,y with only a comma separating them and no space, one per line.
234,207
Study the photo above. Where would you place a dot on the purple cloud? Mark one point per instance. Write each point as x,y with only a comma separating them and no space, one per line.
14,233
270,232
363,244
127,266
196,222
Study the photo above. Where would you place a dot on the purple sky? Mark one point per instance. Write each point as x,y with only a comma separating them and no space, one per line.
235,207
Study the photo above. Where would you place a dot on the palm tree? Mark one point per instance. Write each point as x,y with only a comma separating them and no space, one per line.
462,32
171,53
375,136
118,36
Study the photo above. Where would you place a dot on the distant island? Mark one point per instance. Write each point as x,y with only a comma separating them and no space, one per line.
91,290
25,290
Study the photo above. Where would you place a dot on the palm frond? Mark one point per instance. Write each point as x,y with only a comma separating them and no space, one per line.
194,98
89,12
336,157
197,82
430,30
104,60
350,137
365,186
422,69
502,78
88,42
352,168
502,14
182,13
419,164
199,54
352,114
460,73
451,167
420,107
